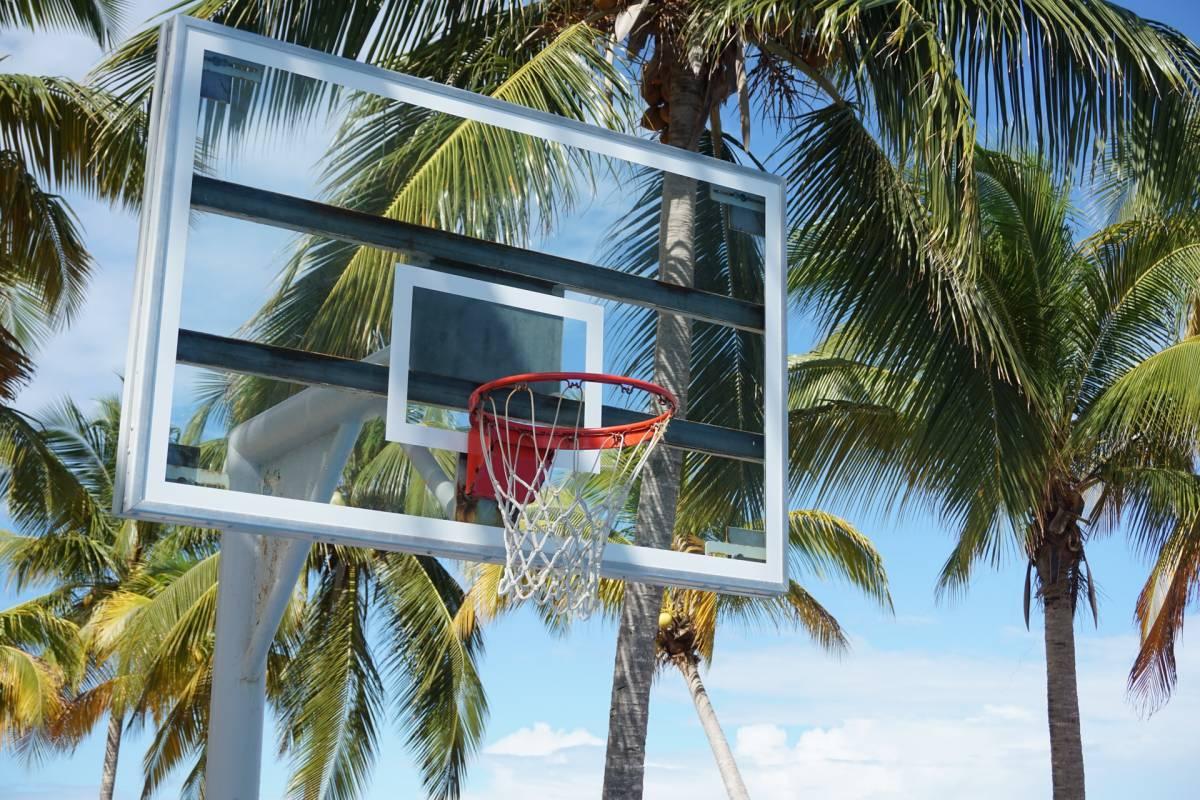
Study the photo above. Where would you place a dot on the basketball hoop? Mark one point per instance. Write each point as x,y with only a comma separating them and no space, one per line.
559,485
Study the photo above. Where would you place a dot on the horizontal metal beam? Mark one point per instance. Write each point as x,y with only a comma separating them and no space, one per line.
465,255
315,369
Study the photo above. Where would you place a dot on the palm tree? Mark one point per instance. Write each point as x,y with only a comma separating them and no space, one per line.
1175,576
848,82
1172,584
55,134
1085,422
689,619
85,554
40,655
142,600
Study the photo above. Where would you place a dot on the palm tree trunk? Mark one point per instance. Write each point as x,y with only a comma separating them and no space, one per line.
730,775
629,712
112,749
1062,693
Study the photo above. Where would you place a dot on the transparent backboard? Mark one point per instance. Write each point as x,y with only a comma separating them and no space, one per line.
333,256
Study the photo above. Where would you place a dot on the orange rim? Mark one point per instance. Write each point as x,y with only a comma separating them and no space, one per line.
573,438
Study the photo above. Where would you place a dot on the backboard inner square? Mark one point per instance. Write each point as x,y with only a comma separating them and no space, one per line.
477,331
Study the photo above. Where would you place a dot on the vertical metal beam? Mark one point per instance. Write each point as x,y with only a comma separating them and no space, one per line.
256,579
436,481
251,567
303,445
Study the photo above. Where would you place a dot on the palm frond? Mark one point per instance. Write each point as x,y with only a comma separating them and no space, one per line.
823,545
41,246
74,136
1145,272
440,693
821,626
482,601
1063,78
37,627
40,653
1155,400
986,534
29,693
850,414
862,254
43,495
70,556
332,698
1148,501
85,444
97,18
82,712
166,626
1173,583
180,734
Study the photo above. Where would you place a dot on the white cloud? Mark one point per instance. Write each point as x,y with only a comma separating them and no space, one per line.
51,791
764,744
891,757
576,774
882,724
541,741
908,723
1008,712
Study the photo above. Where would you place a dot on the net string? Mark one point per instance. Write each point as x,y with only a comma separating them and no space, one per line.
555,529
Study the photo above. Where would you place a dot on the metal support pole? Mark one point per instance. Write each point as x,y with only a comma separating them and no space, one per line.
297,449
252,568
258,575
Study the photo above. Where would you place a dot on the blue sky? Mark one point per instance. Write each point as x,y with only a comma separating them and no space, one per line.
942,699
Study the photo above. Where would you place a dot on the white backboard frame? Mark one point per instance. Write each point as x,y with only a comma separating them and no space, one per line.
142,491
408,278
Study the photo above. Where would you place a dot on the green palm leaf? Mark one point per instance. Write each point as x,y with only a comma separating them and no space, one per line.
1154,400
440,179
72,135
41,492
98,18
42,247
39,654
432,668
333,696
821,544
1146,270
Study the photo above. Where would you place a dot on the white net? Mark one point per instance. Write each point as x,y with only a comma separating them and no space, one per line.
560,489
